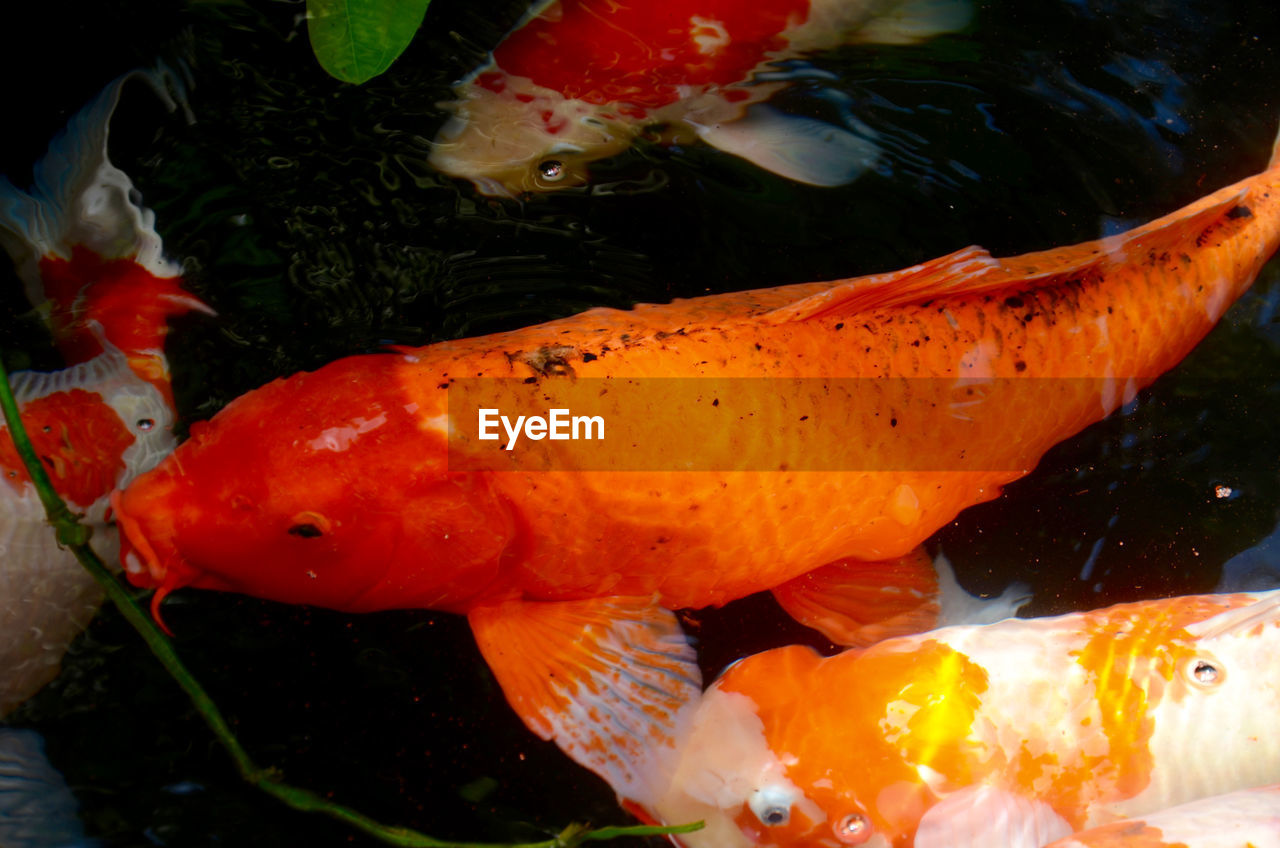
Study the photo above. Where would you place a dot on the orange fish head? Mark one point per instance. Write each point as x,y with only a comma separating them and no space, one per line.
524,138
759,767
321,489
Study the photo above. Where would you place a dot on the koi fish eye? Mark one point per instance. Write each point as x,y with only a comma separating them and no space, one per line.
853,829
309,525
145,424
552,170
771,805
1204,672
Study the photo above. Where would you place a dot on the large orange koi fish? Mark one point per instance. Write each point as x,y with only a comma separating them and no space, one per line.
780,439
1011,734
91,261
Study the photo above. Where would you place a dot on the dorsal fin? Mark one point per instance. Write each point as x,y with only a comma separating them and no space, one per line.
957,271
972,270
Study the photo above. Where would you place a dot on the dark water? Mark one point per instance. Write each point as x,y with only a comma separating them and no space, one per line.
310,222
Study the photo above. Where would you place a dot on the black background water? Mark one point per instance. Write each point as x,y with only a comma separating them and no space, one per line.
308,219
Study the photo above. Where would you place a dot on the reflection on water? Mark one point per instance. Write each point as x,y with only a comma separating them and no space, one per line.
311,223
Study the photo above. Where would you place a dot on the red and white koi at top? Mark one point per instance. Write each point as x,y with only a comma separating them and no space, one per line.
579,80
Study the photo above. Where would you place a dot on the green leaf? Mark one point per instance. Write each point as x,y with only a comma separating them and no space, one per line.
355,40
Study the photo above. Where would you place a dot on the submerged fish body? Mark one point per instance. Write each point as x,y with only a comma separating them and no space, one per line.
346,487
37,809
1249,818
578,80
92,262
1012,734
87,251
96,426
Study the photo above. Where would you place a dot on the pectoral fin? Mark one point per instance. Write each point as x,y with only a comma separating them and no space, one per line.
960,607
609,680
795,147
983,816
856,603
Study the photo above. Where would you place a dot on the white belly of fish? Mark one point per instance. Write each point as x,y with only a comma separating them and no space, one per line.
46,596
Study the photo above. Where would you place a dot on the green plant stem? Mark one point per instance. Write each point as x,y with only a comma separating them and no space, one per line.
74,535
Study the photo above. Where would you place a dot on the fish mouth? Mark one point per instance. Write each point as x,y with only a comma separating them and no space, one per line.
142,565
150,559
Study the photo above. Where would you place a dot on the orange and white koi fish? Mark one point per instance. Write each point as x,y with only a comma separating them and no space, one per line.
89,256
370,483
1249,818
579,80
1011,734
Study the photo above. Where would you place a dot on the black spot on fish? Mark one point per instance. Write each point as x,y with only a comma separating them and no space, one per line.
1020,366
840,326
306,531
1240,212
1013,302
547,361
589,357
